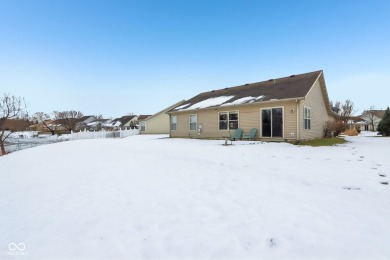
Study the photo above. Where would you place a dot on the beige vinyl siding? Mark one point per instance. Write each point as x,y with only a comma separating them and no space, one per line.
249,117
315,101
158,124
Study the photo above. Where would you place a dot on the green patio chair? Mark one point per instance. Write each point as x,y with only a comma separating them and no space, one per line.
237,134
251,135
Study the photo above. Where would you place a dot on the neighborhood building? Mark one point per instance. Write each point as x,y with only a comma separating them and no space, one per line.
123,122
97,124
83,122
157,123
283,109
372,119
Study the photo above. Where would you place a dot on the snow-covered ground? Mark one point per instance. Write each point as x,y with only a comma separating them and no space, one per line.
150,197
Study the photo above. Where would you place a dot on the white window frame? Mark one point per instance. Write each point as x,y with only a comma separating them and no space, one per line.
174,123
196,122
306,116
228,120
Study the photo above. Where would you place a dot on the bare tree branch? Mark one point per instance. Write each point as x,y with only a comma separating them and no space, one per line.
370,117
11,107
44,119
68,119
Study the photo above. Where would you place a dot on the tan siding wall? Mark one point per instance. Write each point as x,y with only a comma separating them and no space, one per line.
158,124
249,117
319,114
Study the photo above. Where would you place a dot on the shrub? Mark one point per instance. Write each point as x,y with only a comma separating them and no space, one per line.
351,132
384,124
333,128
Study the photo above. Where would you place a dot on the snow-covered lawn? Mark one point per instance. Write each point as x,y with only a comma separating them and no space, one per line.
150,197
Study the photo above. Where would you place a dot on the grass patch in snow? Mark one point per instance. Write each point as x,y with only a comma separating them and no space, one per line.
323,141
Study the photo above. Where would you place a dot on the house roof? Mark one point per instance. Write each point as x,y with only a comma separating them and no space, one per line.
294,86
83,118
378,113
121,120
142,117
166,110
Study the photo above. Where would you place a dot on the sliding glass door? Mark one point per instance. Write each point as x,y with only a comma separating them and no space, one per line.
272,122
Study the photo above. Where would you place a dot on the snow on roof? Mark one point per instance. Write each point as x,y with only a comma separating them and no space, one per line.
291,87
182,106
94,123
113,123
244,100
211,102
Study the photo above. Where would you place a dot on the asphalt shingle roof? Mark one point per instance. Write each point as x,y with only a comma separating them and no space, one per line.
294,86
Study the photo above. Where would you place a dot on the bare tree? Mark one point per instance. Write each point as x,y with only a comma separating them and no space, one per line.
343,110
348,109
68,119
336,107
370,117
44,119
99,122
11,107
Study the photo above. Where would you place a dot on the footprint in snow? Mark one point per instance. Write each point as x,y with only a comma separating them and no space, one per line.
351,188
382,175
384,182
271,242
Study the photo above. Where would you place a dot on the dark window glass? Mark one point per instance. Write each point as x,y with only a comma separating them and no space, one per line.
223,121
266,122
277,122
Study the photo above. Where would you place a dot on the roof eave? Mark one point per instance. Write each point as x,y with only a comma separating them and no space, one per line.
239,105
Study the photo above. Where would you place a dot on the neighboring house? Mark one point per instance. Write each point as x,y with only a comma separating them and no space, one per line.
58,125
16,124
123,122
372,119
141,121
284,109
357,122
41,127
97,124
84,121
157,123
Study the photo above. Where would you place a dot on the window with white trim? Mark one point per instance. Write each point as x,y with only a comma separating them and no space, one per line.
193,122
173,122
228,120
143,125
307,117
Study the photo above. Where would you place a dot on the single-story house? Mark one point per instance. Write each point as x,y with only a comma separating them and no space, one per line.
372,119
97,124
123,122
283,109
157,123
41,127
356,122
82,122
58,125
141,118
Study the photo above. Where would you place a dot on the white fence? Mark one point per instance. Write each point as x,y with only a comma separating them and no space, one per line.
104,134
